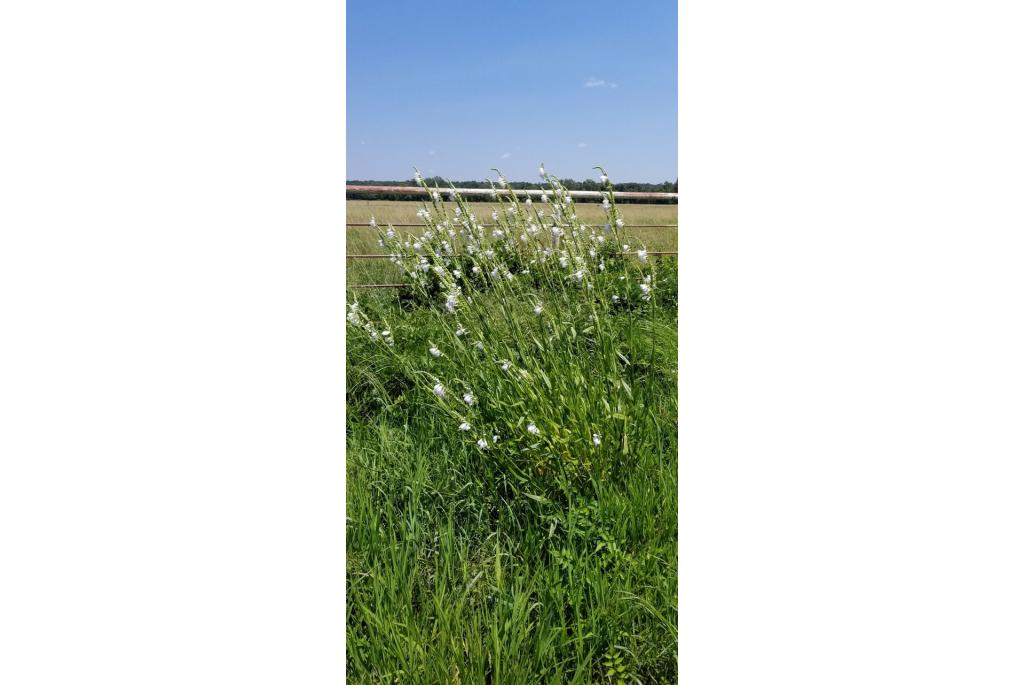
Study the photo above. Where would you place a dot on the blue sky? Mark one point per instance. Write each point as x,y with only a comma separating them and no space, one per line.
456,87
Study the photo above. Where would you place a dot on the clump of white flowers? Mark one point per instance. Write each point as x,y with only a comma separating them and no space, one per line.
523,267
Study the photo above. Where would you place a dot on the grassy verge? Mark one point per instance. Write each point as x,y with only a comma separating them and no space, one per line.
512,460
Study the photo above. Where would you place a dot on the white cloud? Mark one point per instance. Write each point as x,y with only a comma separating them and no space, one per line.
581,144
599,83
506,155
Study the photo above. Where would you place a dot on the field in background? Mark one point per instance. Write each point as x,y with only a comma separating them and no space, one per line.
363,240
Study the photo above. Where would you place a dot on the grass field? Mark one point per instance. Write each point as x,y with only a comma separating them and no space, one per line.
362,240
511,468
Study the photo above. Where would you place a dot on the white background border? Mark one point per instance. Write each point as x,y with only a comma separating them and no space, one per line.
172,337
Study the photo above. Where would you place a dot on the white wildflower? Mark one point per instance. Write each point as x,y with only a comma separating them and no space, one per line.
604,179
463,426
479,345
641,254
434,352
439,390
532,428
505,366
541,170
461,331
436,196
482,443
469,399
596,437
538,309
619,223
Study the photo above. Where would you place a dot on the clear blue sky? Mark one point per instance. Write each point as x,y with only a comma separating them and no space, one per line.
456,87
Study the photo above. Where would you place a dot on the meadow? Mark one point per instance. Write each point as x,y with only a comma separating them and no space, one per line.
511,435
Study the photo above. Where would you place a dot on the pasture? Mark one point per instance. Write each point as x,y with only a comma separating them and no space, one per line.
511,447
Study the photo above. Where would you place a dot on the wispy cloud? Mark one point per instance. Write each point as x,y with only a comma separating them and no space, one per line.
581,144
506,155
599,83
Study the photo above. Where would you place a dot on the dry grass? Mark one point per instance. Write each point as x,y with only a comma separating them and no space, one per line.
361,240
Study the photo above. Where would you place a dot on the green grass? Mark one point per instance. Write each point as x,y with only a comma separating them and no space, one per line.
362,240
549,554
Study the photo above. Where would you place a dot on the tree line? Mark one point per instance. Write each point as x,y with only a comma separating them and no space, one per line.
570,184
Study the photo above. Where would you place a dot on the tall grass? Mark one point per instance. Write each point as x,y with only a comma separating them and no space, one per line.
512,452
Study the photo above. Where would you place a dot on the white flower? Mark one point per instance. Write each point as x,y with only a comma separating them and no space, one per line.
596,437
556,231
457,273
604,179
390,232
538,309
436,195
600,240
578,275
385,333
461,331
619,223
479,345
600,267
418,177
615,298
482,443
476,269
373,222
501,181
489,254
543,197
450,303
505,365
529,201
463,426
563,261
511,210
605,203
494,216
434,352
641,254
592,253
498,233
532,428
417,246
469,399
625,248
438,389
541,170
